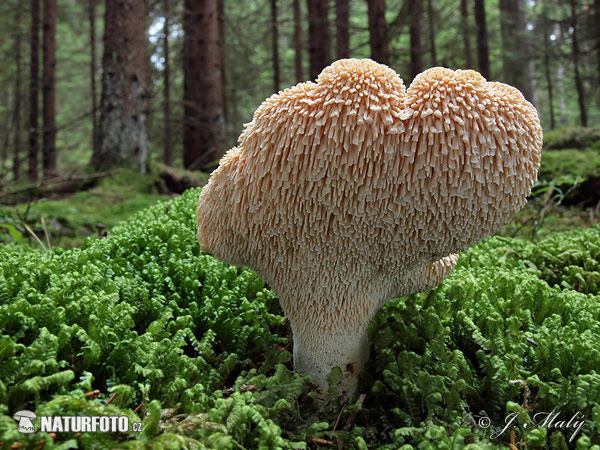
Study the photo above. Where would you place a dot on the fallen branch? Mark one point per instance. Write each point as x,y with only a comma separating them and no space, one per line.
58,180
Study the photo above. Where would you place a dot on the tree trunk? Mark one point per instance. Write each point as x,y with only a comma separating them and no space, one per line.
34,90
275,45
597,36
124,87
342,25
416,62
203,96
482,39
515,58
18,91
378,31
548,76
431,20
92,19
167,154
298,42
466,33
48,90
575,54
221,5
318,37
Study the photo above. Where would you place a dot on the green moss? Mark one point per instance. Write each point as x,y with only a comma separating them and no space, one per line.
571,137
206,350
569,164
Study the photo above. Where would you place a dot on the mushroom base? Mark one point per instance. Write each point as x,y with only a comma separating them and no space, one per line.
316,354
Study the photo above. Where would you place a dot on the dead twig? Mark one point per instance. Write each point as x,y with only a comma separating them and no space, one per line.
57,180
46,233
350,421
37,239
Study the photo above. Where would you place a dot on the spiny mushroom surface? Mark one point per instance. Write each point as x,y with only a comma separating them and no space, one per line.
348,192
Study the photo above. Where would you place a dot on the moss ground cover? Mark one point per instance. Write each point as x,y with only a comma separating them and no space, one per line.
146,319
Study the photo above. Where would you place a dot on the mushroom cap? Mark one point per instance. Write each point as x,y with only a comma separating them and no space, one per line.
339,190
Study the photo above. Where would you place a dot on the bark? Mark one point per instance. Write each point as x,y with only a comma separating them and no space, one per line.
48,90
597,36
203,89
378,31
342,26
34,46
516,60
123,102
466,33
92,20
318,37
275,45
416,62
298,42
575,55
548,75
431,20
167,154
483,55
221,5
17,136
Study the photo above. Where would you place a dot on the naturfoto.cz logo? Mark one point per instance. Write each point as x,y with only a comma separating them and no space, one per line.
75,424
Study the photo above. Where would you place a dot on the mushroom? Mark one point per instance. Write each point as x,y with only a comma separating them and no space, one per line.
351,191
25,418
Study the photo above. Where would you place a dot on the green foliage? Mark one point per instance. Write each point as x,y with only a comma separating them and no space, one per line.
571,137
569,163
204,347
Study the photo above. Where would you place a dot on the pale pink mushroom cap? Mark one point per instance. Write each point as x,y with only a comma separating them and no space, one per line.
348,192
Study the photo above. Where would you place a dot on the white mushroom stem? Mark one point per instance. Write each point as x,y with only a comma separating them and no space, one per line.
317,353
318,349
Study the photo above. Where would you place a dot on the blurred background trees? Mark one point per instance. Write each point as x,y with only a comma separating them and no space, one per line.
180,77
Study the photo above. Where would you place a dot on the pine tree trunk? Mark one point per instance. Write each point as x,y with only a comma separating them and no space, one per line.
34,80
92,20
342,26
18,91
466,33
123,105
575,54
378,31
482,39
431,20
203,89
298,42
48,90
167,153
516,61
221,6
597,36
275,45
416,62
318,37
548,76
